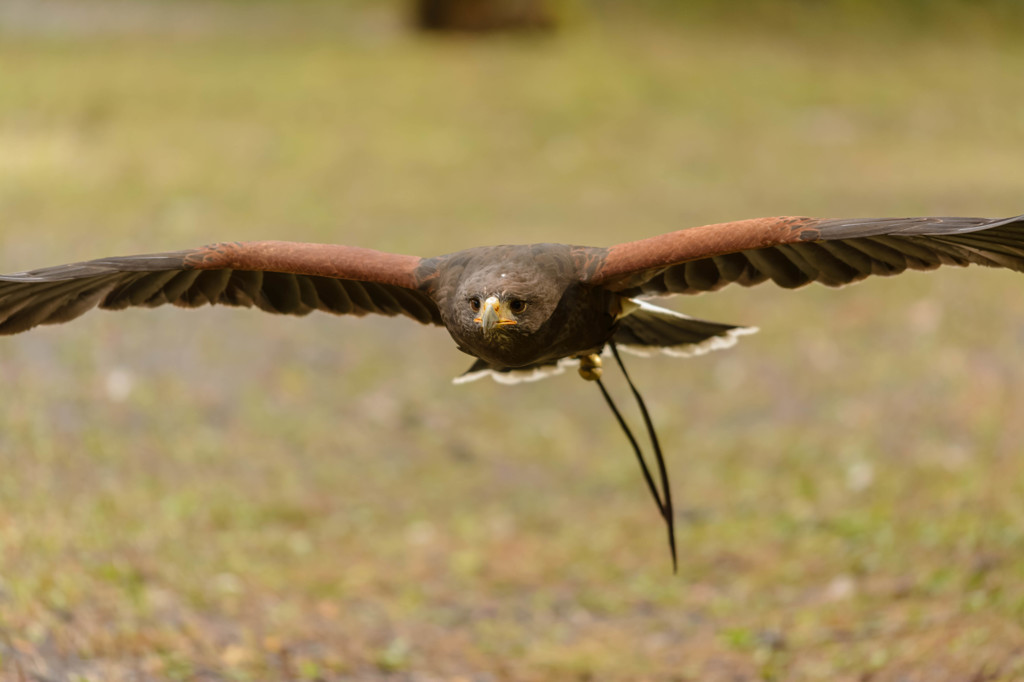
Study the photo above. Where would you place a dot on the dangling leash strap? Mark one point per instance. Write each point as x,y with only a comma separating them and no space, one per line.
664,499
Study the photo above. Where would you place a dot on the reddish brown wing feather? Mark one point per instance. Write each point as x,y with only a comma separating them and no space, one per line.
278,277
324,260
794,251
633,262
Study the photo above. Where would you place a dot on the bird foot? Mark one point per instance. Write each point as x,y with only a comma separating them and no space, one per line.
590,366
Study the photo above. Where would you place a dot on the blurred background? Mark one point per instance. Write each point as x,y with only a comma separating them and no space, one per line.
223,494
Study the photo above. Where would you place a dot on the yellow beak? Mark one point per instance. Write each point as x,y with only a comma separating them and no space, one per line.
493,314
490,313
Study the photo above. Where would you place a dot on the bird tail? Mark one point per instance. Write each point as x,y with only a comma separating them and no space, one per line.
645,329
517,375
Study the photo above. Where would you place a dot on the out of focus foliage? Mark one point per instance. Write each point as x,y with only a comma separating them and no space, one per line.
828,17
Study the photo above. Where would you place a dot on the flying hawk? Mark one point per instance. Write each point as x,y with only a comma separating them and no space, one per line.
525,311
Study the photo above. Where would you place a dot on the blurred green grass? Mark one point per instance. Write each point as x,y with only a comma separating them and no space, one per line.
222,494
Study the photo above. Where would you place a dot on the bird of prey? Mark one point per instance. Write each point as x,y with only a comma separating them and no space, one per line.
526,311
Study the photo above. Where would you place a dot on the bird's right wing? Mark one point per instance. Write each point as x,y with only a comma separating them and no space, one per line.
278,277
794,251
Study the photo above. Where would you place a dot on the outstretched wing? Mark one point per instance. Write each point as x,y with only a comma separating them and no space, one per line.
279,277
794,251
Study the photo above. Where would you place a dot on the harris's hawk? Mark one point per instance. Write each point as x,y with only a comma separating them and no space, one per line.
525,311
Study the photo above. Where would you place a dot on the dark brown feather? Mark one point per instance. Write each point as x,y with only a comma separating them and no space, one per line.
794,251
278,277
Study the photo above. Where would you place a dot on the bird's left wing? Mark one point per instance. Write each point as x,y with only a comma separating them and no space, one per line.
278,277
794,251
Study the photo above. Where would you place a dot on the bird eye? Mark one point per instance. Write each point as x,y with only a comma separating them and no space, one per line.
474,303
517,306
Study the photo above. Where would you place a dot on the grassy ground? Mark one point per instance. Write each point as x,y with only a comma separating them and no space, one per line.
228,495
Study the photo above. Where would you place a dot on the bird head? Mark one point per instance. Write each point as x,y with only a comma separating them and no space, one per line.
501,306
